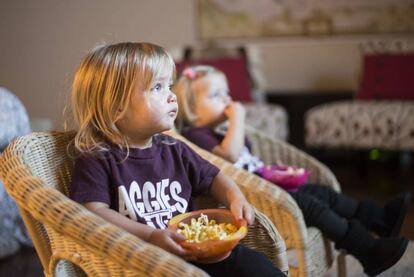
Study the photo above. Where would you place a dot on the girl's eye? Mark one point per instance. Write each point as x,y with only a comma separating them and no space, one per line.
157,87
215,94
219,94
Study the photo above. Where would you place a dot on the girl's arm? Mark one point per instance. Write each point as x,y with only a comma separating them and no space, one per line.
166,239
225,191
232,145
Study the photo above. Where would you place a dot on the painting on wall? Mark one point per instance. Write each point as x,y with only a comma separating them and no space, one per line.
219,19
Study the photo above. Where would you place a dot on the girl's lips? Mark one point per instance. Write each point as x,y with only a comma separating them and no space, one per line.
173,112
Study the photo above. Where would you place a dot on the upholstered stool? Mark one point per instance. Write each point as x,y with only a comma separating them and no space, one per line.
269,118
361,125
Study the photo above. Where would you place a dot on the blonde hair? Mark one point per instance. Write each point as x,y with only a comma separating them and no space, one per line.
186,93
103,85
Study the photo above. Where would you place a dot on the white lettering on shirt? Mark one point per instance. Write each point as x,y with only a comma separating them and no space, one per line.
153,202
181,204
125,205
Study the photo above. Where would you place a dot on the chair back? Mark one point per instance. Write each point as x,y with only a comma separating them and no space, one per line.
387,70
234,64
42,155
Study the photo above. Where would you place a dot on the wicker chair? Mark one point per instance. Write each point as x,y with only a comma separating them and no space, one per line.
309,253
71,241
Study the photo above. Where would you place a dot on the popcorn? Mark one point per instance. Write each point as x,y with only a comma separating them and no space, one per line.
201,229
292,170
288,177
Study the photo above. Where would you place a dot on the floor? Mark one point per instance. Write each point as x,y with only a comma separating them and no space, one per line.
379,176
403,268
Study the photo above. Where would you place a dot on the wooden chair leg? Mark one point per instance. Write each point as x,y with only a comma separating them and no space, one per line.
341,264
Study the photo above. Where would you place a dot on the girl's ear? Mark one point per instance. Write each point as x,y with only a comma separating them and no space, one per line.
195,121
119,113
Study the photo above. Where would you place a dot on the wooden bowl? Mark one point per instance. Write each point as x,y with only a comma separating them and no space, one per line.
212,251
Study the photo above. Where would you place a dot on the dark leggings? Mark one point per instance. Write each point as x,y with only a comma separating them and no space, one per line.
242,262
326,209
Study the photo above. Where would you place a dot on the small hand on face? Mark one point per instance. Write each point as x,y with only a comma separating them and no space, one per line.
235,110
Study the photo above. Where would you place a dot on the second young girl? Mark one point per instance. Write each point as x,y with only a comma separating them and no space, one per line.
205,104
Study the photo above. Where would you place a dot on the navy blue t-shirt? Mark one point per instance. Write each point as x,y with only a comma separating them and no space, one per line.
150,186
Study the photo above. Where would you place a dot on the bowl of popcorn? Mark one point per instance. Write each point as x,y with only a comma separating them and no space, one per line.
210,234
288,177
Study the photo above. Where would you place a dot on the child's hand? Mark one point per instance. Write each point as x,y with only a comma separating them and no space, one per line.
235,110
241,209
168,240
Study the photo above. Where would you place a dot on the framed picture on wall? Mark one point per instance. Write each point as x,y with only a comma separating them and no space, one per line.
223,19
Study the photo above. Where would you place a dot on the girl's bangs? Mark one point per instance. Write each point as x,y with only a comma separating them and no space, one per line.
157,65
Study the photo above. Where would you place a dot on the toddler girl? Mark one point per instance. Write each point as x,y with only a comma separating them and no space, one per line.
132,175
205,104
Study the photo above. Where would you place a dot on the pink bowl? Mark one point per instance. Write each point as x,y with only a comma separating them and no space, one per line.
212,251
279,175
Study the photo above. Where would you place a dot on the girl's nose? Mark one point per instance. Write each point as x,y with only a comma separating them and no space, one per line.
172,98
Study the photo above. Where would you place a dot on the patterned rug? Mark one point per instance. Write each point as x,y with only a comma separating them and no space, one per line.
404,267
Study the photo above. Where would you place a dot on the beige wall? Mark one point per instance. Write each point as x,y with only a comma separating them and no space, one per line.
326,64
331,66
41,43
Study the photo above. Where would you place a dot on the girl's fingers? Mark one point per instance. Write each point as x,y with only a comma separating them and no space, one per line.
177,248
177,237
174,246
237,211
248,214
189,258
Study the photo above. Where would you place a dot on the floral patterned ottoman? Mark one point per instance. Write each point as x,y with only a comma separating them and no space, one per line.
269,118
361,125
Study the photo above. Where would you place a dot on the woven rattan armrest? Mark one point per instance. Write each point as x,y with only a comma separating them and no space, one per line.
272,150
85,231
274,202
